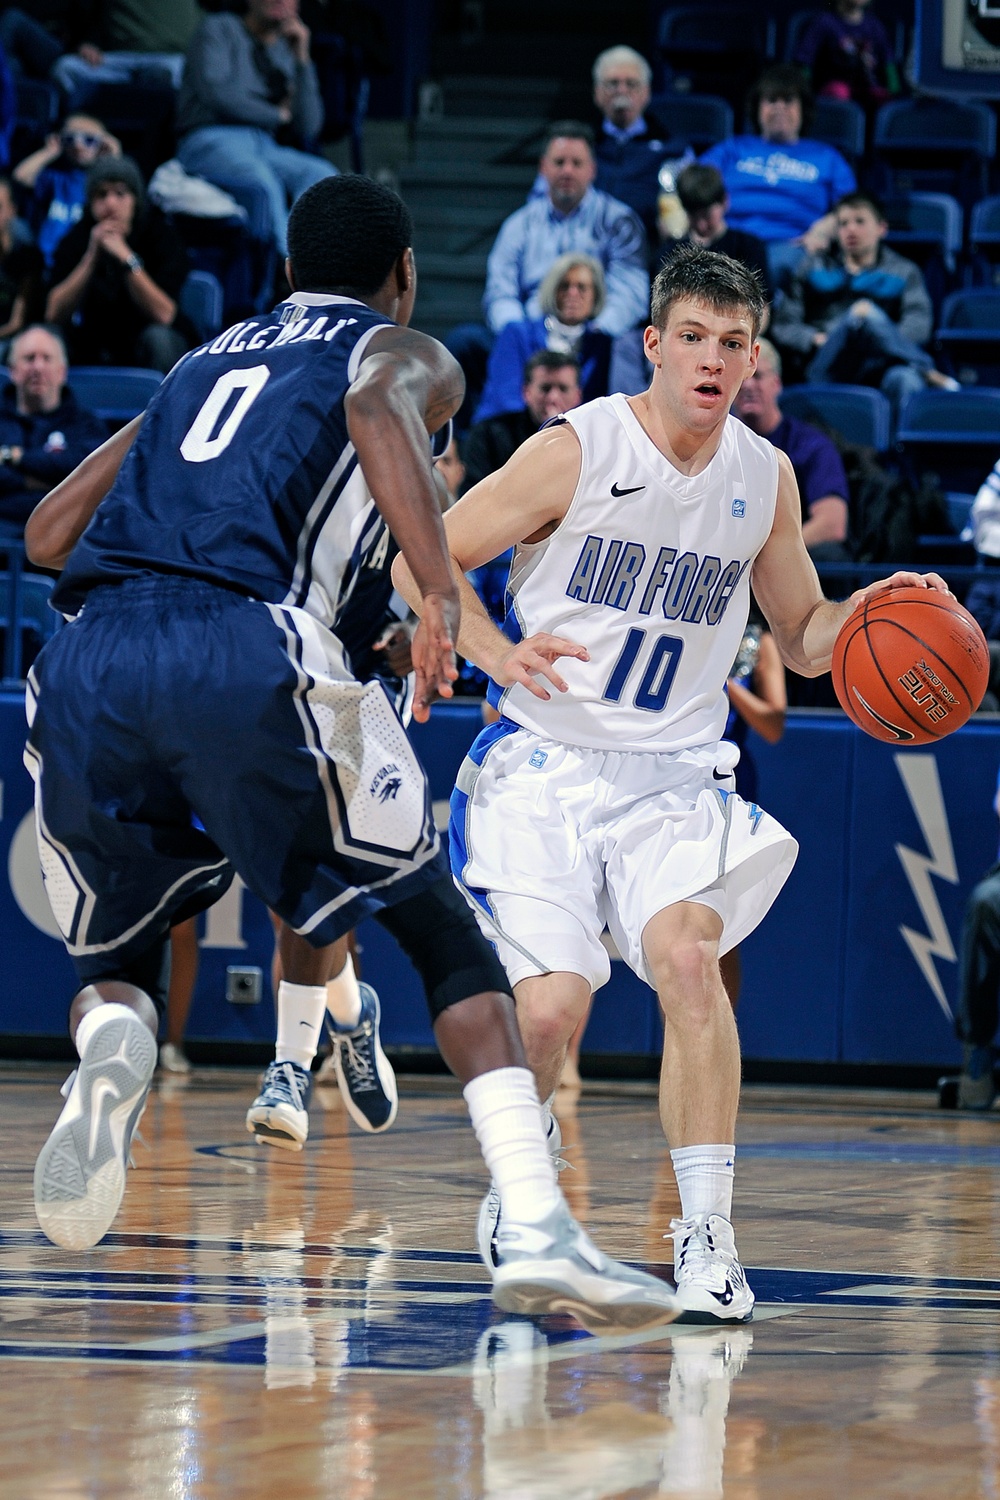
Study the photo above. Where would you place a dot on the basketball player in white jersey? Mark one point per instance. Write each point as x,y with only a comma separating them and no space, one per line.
603,797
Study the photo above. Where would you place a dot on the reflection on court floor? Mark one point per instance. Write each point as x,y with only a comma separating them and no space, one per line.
260,1324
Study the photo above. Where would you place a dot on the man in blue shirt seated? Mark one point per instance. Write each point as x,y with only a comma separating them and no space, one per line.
44,433
573,215
818,466
630,149
782,186
859,312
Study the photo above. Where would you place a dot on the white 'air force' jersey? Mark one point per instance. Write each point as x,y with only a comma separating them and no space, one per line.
650,570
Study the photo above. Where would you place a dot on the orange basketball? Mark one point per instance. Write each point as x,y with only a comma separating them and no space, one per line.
910,666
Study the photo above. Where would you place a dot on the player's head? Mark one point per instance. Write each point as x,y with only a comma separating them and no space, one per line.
702,341
351,236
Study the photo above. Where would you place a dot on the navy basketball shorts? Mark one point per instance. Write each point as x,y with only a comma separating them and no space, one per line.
179,732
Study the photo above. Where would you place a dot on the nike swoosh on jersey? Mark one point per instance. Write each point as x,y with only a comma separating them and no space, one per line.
618,494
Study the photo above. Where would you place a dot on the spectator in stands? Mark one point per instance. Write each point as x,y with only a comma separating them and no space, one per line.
21,269
53,180
859,312
573,216
818,466
117,276
247,79
704,199
847,54
33,44
44,433
630,148
782,186
551,386
452,471
130,43
571,297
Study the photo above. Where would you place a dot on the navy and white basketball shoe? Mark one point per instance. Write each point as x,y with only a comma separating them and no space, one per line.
279,1115
80,1172
364,1073
711,1283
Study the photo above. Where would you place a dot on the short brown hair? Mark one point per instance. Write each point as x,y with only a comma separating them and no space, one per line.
861,200
699,186
719,281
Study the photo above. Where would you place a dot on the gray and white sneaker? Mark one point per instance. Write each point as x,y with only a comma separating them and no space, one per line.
488,1221
554,1267
80,1171
711,1283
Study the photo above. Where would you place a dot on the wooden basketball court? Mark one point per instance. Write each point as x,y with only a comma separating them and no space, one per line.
265,1324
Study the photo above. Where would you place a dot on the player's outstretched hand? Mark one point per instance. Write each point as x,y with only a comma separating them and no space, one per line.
532,658
900,581
433,652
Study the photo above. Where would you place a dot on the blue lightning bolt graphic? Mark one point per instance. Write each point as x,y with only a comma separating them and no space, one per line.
919,775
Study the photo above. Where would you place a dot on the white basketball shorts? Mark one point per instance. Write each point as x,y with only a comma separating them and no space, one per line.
554,843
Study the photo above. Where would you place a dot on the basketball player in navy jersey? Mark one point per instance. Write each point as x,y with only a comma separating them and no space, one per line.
603,795
197,718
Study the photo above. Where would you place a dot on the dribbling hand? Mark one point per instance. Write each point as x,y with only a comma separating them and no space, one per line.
899,580
533,658
433,653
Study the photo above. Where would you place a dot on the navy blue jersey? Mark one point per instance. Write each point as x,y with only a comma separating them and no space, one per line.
243,474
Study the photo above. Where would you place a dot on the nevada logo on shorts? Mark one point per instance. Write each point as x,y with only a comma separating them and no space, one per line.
739,509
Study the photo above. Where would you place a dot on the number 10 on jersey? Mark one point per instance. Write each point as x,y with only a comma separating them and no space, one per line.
657,676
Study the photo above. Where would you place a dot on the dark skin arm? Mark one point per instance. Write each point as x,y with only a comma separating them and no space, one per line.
57,523
409,385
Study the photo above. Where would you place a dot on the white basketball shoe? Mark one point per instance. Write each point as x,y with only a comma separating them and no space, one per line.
711,1283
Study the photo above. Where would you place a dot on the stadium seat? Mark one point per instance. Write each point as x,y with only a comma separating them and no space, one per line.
922,224
37,622
201,301
720,49
701,119
115,393
968,337
954,433
795,26
140,115
840,123
858,413
252,197
984,242
937,145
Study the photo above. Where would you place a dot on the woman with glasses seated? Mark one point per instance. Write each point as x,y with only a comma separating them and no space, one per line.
572,294
51,183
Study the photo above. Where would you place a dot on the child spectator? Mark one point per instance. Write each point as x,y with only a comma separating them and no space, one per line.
859,313
52,181
118,274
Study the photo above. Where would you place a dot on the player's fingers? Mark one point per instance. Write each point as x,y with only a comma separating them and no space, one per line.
522,674
561,645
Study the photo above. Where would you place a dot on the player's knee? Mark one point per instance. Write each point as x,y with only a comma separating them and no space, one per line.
547,1016
439,935
688,979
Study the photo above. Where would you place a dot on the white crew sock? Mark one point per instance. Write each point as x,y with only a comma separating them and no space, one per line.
343,998
704,1179
301,1008
507,1119
98,1017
